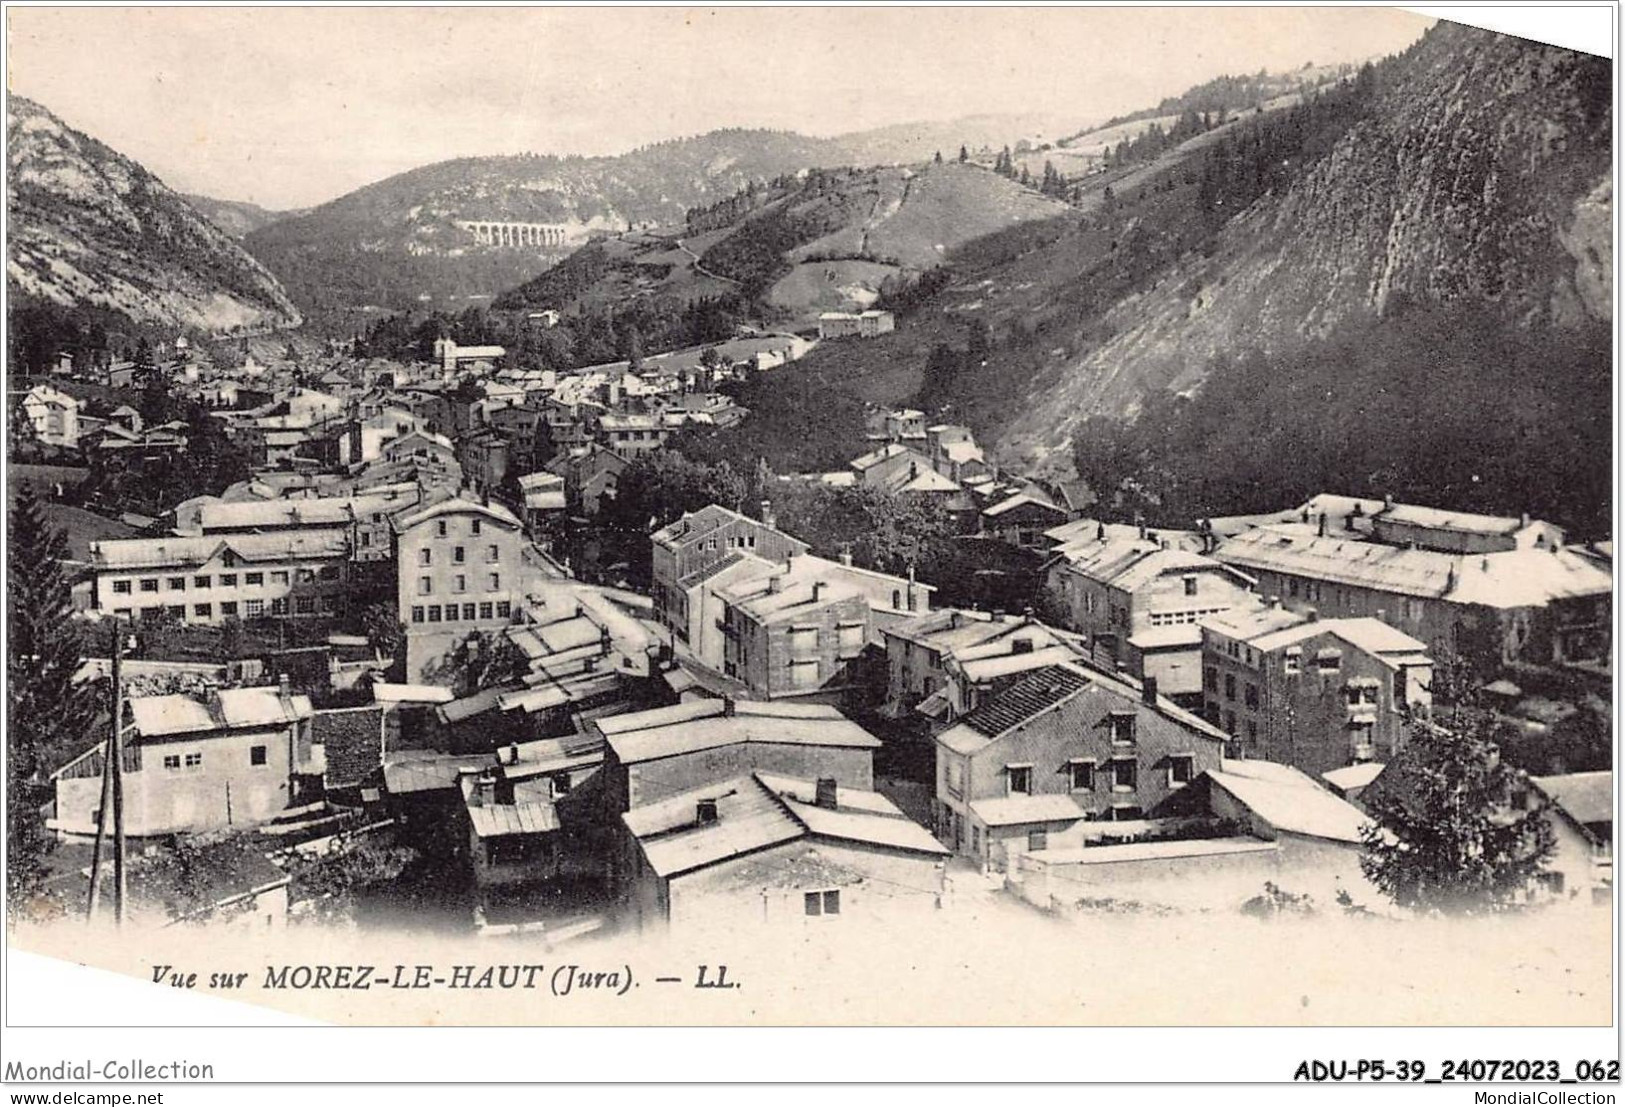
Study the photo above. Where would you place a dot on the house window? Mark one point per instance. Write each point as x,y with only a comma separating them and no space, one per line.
425,556
306,576
440,528
279,577
305,605
178,610
329,572
1293,661
434,613
417,614
279,606
821,903
1126,813
425,585
194,761
1019,779
1122,725
229,580
1251,697
458,555
493,582
1190,586
956,777
804,674
459,583
1125,774
254,608
172,762
468,612
492,554
1083,775
1181,767
149,584
1329,661
121,587
474,526
177,584
229,608
203,610
366,538
561,785
202,582
330,604
256,755
503,608
1037,839
1229,686
1210,678
485,610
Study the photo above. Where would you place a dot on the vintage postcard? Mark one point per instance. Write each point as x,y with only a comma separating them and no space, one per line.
796,516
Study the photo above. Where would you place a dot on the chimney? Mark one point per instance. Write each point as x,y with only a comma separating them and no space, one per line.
1348,520
1311,614
817,591
1382,615
1148,690
510,756
1523,521
1275,603
705,812
955,620
282,687
1303,516
1100,531
846,555
1388,501
827,794
768,519
728,707
1450,581
774,584
1323,524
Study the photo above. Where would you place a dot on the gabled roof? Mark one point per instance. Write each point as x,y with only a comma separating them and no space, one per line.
1289,800
1132,563
707,724
456,505
181,552
1586,798
759,810
234,708
1036,693
1021,499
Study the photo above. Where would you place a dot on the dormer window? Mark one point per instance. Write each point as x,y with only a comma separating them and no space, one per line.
1019,780
1122,728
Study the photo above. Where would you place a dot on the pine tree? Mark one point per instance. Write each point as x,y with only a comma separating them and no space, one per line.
938,159
964,154
48,718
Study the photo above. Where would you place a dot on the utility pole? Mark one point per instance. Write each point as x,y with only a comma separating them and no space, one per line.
116,770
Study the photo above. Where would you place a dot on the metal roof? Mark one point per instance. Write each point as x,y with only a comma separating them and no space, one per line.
748,818
859,815
1014,810
160,716
457,506
1290,801
496,820
179,553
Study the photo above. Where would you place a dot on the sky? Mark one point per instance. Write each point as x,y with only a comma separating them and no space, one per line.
290,107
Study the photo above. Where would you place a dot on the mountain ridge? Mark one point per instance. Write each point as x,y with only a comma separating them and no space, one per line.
91,226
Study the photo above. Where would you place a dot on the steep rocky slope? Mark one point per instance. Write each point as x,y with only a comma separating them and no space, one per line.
92,227
1479,175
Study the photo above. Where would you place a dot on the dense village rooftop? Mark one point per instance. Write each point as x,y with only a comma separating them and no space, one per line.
711,723
1507,578
755,811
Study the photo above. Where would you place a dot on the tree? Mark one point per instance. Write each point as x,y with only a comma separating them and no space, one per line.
331,882
49,718
964,154
381,623
484,659
938,159
156,404
1450,833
